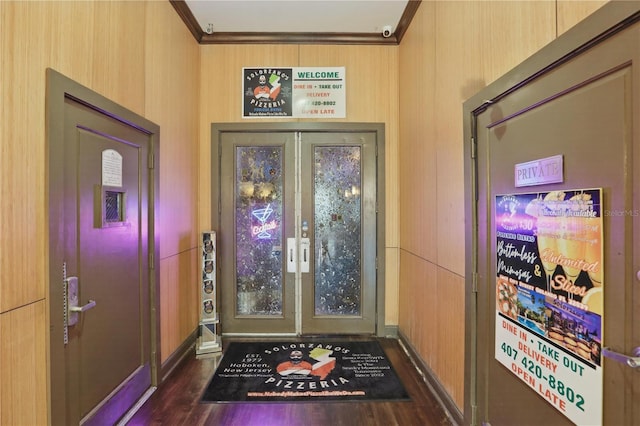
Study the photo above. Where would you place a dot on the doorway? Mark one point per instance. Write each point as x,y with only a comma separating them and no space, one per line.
299,228
102,195
552,177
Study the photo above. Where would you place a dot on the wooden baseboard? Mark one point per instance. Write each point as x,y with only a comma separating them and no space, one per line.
187,348
432,382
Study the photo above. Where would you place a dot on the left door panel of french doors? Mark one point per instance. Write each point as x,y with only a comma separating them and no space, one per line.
105,239
257,216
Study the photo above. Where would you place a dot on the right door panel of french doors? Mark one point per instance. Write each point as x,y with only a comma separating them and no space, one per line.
338,212
298,233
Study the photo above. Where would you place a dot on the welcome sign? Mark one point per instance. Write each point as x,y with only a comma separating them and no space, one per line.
272,92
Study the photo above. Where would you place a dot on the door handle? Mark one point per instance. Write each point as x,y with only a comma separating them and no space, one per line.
72,301
631,361
292,256
304,248
91,304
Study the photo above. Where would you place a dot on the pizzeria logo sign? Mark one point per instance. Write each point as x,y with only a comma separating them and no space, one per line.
307,367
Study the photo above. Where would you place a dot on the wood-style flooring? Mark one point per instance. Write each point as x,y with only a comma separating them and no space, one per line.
177,402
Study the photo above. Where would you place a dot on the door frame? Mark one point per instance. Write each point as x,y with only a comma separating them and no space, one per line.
59,88
605,22
218,129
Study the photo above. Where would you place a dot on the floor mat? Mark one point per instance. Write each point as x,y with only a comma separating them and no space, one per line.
304,371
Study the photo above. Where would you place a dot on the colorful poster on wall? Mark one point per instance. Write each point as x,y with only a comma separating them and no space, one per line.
549,296
271,92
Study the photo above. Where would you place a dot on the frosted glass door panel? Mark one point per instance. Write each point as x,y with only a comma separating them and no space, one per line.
259,235
337,219
338,188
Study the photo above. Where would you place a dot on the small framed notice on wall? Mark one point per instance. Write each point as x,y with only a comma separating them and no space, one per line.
271,92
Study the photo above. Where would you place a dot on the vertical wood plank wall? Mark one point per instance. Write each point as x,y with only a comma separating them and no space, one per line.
451,50
141,55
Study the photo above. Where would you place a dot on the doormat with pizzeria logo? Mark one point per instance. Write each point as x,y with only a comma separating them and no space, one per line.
304,371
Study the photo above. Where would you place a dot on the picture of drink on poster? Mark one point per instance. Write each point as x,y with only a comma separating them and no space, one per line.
549,296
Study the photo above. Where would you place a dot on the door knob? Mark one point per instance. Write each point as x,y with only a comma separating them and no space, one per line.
631,361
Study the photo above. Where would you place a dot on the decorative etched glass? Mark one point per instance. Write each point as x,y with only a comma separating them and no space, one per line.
259,280
337,176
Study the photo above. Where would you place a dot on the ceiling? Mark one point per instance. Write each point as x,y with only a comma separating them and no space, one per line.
297,21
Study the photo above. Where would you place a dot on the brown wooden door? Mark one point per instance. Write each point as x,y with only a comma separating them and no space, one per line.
101,339
554,178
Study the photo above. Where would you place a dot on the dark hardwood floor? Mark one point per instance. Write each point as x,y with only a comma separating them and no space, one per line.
177,402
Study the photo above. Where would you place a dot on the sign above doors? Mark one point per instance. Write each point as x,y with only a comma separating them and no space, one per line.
271,92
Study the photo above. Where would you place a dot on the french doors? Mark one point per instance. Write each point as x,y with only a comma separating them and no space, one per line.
298,232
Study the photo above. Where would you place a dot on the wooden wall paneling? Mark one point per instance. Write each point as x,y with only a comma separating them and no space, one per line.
22,154
172,79
404,290
169,305
190,264
429,318
458,34
417,278
4,131
118,54
23,360
451,334
69,29
406,293
520,30
172,98
469,57
428,314
419,306
392,270
179,299
570,12
417,148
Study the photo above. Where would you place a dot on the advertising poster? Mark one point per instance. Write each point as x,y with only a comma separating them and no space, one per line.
549,296
271,92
